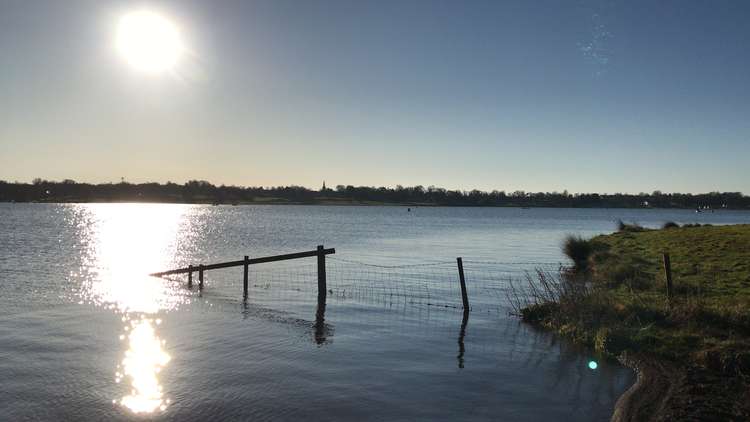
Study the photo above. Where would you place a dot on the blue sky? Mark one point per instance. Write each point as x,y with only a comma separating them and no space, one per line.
588,96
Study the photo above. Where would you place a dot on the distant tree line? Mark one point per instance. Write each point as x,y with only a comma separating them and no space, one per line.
200,191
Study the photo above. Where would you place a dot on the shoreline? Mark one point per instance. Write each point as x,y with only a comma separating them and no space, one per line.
683,328
648,393
666,391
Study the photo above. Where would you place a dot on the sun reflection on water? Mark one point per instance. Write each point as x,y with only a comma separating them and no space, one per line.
125,243
143,361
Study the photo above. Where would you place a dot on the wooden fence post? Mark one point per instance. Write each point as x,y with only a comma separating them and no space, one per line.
190,277
668,277
200,277
462,279
244,278
322,290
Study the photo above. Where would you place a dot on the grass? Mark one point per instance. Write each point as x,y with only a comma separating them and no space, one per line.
710,262
614,297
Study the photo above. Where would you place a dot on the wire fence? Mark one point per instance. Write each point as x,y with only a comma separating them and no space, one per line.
433,284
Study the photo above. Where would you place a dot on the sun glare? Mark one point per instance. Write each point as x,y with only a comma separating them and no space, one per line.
128,241
149,41
143,361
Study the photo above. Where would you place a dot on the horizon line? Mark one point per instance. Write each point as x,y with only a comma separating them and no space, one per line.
392,187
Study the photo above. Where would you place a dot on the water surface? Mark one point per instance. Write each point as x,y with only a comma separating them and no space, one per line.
85,334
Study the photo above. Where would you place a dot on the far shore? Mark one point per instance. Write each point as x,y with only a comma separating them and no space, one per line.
203,192
344,203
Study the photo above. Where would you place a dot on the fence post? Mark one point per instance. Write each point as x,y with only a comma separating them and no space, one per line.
668,277
322,291
462,279
244,278
190,277
200,277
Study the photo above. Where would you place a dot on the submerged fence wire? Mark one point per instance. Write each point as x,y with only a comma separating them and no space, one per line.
433,284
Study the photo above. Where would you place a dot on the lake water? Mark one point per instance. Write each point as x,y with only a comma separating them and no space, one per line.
85,334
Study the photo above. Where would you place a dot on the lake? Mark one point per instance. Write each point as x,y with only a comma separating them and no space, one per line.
85,334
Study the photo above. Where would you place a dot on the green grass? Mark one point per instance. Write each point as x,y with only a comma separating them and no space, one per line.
626,308
711,262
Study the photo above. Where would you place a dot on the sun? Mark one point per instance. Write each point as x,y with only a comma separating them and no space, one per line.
148,41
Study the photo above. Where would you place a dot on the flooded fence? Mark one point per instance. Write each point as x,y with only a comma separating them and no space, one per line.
246,262
459,284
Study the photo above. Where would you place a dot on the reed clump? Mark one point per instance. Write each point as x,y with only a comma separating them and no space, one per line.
670,225
579,251
624,227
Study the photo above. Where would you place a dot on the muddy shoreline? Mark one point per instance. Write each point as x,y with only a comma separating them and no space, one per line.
666,391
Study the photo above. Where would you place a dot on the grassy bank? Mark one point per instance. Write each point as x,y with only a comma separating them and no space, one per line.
614,300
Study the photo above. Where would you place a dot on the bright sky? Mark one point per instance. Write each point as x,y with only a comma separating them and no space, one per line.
595,96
